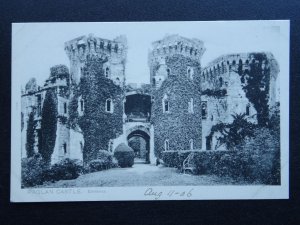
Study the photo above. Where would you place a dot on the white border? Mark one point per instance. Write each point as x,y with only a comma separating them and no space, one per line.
159,193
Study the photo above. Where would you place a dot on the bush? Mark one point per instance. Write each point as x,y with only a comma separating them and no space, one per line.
67,169
33,169
175,158
125,155
104,161
170,158
264,149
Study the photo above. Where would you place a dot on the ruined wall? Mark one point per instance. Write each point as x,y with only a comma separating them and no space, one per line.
236,84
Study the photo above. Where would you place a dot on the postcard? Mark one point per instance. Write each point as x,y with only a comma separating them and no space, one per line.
150,111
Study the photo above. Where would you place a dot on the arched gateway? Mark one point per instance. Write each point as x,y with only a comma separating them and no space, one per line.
139,140
137,127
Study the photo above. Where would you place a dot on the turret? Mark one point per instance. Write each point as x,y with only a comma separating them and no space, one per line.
163,50
113,53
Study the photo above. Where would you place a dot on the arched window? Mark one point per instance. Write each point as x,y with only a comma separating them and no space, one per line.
65,108
117,81
153,82
116,48
101,44
221,81
166,107
191,106
109,106
65,148
106,72
168,71
190,73
248,109
167,145
204,110
81,105
81,146
191,143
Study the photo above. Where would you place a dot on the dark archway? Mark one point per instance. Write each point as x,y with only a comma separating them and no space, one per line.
139,141
138,108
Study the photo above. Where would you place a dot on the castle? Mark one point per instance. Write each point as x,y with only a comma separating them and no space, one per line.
96,109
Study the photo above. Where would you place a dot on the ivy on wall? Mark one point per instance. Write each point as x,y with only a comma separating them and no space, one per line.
97,125
48,125
215,93
178,125
258,85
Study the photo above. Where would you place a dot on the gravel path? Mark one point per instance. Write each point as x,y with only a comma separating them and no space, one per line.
140,175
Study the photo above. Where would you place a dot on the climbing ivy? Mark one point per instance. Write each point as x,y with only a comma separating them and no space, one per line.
215,93
97,125
178,125
48,124
258,85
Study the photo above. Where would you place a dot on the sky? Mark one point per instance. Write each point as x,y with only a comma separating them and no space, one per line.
38,46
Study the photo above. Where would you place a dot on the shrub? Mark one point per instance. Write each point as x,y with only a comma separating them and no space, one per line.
33,171
67,169
170,158
264,149
104,161
125,155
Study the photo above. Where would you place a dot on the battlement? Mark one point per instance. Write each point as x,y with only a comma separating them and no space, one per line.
225,62
175,44
82,46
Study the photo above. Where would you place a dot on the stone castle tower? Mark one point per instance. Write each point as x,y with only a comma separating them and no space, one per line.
98,72
112,52
175,71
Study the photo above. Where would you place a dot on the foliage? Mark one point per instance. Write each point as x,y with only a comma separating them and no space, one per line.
258,85
170,158
274,121
215,93
97,125
125,155
257,161
36,171
30,135
66,169
104,161
235,133
32,172
48,125
176,158
264,148
178,125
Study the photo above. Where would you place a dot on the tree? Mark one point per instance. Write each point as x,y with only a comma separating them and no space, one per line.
30,136
48,125
235,133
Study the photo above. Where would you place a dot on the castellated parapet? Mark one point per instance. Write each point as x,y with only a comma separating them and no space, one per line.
113,52
171,45
218,74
